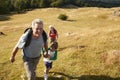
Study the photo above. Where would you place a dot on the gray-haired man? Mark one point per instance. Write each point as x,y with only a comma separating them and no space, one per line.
31,53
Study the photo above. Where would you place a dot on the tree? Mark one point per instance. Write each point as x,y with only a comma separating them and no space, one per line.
35,3
79,3
57,3
28,5
67,1
44,3
19,5
4,6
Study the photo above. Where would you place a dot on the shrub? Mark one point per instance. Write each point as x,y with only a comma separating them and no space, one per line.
62,17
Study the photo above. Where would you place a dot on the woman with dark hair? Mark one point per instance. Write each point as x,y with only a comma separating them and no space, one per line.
53,34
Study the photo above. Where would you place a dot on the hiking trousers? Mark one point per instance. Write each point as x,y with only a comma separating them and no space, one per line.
30,65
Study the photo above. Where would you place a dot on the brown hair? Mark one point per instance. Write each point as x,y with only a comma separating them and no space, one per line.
54,30
55,44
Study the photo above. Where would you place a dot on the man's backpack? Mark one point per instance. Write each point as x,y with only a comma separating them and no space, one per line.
29,37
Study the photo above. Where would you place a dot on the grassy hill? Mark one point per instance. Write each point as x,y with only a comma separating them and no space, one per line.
83,38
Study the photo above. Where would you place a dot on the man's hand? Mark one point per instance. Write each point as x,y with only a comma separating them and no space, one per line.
12,59
14,52
47,55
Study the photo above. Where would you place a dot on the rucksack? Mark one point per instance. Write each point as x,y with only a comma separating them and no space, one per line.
29,37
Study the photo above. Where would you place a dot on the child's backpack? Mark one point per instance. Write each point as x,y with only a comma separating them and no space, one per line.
29,37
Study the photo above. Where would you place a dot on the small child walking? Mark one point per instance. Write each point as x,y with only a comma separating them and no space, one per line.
52,51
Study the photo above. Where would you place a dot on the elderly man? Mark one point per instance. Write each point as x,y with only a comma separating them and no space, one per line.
31,53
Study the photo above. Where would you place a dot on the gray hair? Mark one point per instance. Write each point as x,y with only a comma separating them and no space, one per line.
37,21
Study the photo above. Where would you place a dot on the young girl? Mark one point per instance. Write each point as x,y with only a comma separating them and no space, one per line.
53,35
52,51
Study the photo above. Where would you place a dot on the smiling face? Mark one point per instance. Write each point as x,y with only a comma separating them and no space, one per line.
37,29
54,45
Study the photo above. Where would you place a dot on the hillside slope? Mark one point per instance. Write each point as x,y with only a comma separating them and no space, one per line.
83,38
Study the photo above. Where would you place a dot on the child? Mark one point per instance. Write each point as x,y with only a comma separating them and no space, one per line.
53,35
52,51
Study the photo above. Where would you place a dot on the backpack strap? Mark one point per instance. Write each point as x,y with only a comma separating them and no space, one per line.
29,37
44,35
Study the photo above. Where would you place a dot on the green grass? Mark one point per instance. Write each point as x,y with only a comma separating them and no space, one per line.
88,33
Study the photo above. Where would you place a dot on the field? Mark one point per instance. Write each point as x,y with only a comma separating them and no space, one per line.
84,38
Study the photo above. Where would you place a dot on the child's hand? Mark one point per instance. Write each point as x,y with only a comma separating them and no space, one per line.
47,56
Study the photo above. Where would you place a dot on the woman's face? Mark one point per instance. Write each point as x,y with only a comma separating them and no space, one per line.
52,30
37,29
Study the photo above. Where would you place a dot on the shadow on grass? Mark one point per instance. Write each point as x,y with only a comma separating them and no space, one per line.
82,77
4,17
96,77
71,20
50,78
72,46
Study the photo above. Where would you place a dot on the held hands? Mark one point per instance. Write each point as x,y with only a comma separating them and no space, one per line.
46,55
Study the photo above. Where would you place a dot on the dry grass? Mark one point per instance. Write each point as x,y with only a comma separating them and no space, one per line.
88,33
